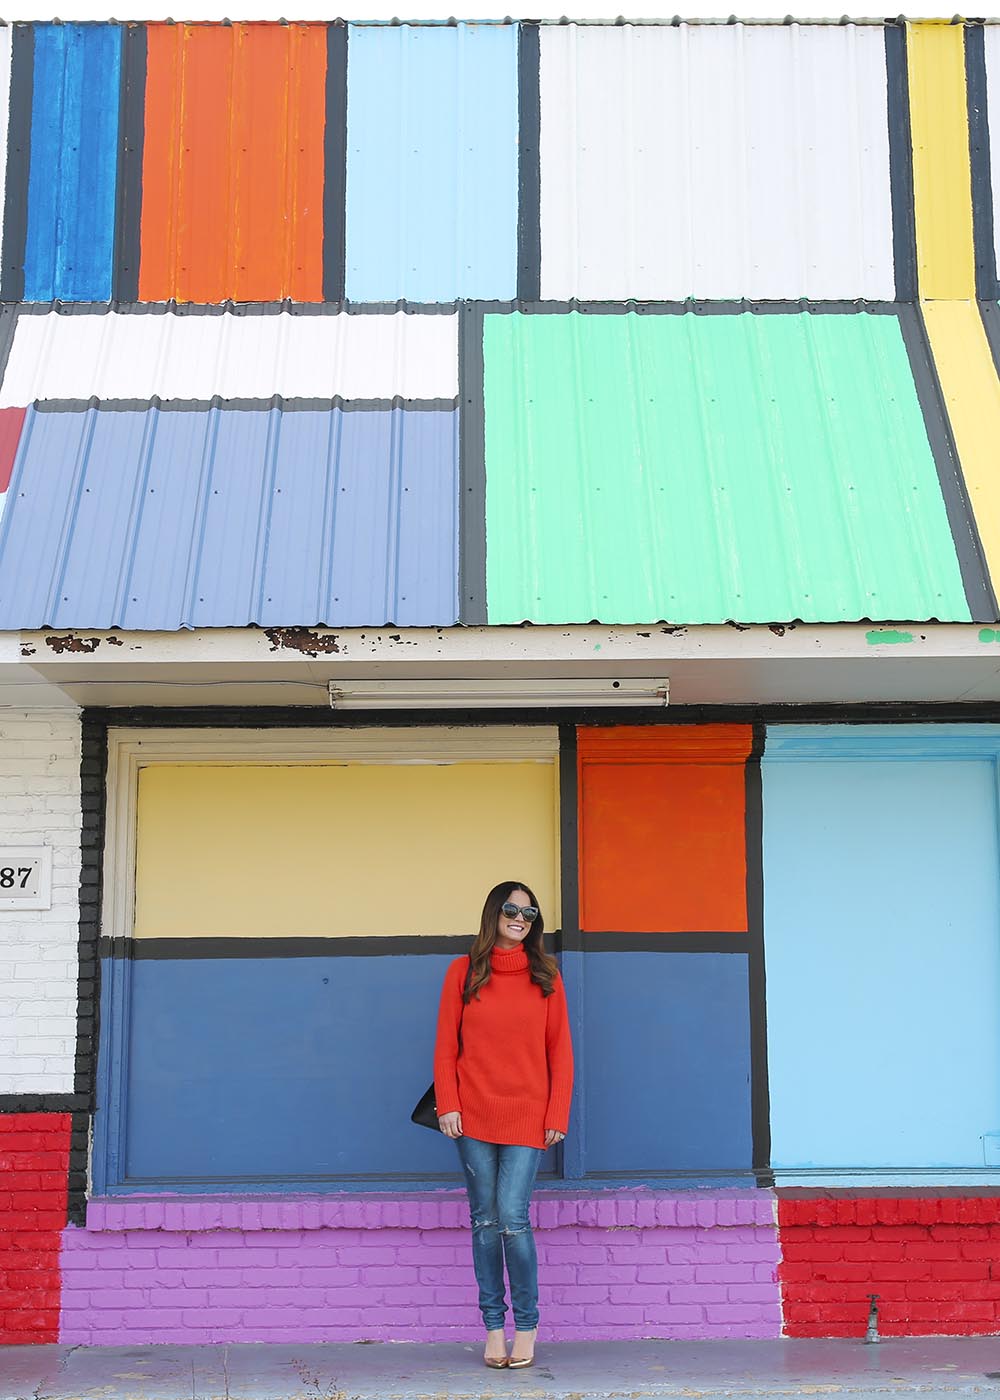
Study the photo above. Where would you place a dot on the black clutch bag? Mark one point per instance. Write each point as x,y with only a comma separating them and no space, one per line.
425,1113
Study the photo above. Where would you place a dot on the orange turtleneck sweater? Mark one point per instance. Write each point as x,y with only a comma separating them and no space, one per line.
513,1077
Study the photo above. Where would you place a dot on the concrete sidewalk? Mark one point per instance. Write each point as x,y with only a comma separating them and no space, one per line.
935,1368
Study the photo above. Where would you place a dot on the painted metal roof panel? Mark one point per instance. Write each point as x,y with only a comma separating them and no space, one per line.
162,519
701,469
233,162
69,249
432,173
184,356
715,161
991,41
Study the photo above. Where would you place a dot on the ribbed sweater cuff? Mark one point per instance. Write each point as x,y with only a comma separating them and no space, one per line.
557,1112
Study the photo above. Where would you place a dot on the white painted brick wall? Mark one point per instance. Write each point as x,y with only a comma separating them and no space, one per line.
40,804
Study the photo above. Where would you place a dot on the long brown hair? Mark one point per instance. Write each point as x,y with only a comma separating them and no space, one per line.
542,968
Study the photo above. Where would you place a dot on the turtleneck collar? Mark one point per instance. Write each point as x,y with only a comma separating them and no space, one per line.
509,960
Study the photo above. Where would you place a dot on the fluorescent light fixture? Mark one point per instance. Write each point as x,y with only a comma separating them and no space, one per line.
517,692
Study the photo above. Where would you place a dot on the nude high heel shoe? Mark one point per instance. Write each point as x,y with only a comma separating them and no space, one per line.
520,1363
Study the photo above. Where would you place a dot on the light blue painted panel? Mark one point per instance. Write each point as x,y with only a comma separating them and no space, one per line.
69,250
432,162
161,519
666,1086
882,932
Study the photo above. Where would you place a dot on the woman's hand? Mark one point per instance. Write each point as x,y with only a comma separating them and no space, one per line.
552,1137
451,1124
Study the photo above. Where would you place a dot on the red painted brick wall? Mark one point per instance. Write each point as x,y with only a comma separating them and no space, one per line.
34,1162
930,1259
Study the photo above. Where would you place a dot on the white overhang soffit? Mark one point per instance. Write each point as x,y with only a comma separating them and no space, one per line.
701,665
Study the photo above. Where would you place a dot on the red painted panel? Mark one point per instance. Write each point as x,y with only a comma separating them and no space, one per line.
11,423
928,1258
662,828
34,1167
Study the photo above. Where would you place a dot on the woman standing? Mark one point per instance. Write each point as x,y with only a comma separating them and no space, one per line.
503,1076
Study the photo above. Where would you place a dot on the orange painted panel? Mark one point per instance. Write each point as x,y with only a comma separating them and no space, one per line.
662,829
233,163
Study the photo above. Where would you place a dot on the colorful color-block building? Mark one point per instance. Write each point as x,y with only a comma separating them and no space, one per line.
438,453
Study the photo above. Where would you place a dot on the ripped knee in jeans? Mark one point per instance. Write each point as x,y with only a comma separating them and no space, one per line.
514,1227
484,1222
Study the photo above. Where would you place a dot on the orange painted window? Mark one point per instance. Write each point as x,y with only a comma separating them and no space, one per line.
232,167
662,829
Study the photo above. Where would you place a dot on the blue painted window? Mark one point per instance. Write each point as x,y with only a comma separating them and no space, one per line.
432,181
882,933
69,249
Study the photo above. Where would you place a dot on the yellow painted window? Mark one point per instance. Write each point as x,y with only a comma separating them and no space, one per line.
265,850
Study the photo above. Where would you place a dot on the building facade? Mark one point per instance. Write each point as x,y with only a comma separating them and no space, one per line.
393,418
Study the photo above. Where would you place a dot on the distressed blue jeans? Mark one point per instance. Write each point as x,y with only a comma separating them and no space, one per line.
499,1180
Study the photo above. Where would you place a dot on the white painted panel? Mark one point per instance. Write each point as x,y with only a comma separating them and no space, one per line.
715,161
114,356
992,37
5,49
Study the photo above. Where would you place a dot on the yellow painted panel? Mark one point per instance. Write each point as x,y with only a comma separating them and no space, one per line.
942,182
972,394
284,851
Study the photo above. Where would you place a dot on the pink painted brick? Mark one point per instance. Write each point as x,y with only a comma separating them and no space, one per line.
371,1254
431,1294
605,1273
280,1277
626,1252
699,1293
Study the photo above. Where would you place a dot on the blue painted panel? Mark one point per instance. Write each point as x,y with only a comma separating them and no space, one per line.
667,1055
250,1068
432,162
69,250
164,519
882,932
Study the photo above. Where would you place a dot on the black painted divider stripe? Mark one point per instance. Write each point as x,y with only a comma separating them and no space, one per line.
246,405
15,231
93,774
335,164
529,101
411,945
980,160
659,942
904,227
319,716
760,1096
131,138
472,469
972,563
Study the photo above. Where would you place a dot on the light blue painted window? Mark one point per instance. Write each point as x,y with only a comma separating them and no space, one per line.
882,939
432,181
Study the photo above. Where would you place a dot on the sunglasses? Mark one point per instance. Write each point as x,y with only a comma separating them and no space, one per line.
528,912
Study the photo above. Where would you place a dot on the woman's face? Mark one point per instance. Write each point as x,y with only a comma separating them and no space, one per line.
511,932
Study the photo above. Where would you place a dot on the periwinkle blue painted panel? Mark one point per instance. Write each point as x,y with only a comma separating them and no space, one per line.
666,1083
160,519
432,162
69,249
882,932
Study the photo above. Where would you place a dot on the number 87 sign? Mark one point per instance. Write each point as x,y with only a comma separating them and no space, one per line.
25,877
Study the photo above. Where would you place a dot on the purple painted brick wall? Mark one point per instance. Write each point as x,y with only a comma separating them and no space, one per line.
617,1264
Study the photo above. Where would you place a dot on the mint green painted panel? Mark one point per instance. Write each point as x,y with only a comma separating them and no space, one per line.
705,468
